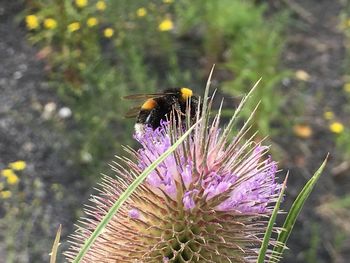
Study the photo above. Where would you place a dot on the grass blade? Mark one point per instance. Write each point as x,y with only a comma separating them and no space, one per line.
294,212
267,236
124,196
55,245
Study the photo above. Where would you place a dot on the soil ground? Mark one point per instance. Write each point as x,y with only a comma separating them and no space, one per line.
316,47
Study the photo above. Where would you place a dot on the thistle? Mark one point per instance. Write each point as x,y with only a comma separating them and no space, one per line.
209,201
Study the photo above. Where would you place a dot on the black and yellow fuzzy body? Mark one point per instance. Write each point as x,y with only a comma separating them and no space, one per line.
159,106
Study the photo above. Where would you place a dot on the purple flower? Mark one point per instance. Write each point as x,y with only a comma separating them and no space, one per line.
208,201
134,213
188,199
248,183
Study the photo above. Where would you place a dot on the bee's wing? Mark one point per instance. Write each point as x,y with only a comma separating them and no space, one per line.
133,112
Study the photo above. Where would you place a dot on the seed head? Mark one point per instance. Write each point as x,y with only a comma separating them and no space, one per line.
209,201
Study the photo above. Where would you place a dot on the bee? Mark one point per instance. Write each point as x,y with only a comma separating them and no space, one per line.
158,106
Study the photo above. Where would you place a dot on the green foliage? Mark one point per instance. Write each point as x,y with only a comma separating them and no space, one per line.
342,138
268,233
345,26
92,72
19,201
342,141
246,46
293,213
290,221
311,255
336,210
149,45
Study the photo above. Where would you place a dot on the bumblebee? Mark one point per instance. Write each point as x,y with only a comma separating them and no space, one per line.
158,106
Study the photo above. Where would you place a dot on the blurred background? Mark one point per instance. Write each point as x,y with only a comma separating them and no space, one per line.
65,64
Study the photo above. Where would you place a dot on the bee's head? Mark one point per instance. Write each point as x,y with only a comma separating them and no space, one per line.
185,93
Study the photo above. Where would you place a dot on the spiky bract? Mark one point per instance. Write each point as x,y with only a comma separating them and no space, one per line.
209,201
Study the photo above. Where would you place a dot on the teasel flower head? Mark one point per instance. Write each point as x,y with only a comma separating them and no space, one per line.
209,201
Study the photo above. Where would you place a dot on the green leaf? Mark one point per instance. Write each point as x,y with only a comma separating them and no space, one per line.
267,236
293,214
55,245
124,196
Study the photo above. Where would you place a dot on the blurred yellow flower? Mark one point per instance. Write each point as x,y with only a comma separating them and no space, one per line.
73,26
101,5
7,172
347,87
302,75
168,1
166,25
347,23
92,21
1,186
141,12
50,23
81,3
328,115
108,32
32,22
18,165
13,179
5,194
302,130
336,127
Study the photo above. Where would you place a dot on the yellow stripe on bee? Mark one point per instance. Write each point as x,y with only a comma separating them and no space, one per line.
186,93
149,104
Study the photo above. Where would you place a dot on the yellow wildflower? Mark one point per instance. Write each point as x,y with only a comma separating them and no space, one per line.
50,23
108,32
13,179
347,87
18,165
336,127
92,21
141,12
101,5
166,25
328,115
32,22
81,3
1,186
302,130
73,26
168,1
7,172
5,194
347,22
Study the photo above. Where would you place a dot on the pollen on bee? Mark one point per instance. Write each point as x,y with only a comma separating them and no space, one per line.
149,104
186,93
